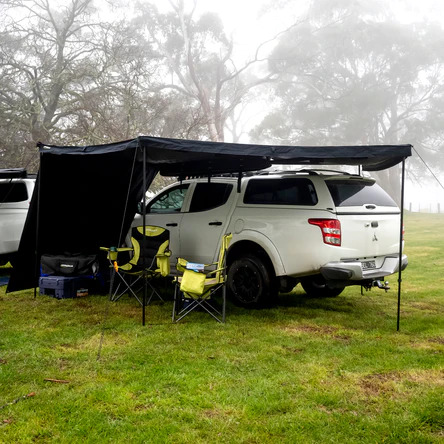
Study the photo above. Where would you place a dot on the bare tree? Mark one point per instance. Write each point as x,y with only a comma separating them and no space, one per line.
199,57
45,56
355,75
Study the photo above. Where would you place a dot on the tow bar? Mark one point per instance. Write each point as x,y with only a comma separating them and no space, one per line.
376,283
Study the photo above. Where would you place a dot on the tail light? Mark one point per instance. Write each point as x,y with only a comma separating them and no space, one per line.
330,229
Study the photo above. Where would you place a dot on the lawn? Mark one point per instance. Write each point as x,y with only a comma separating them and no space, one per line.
307,370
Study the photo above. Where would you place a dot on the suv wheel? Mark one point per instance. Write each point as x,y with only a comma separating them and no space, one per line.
249,281
316,286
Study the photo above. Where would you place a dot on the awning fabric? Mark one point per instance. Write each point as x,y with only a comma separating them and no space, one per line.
86,196
173,157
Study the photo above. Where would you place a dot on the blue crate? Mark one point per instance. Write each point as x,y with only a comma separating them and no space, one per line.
62,287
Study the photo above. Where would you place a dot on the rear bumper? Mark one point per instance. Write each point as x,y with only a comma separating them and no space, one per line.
353,271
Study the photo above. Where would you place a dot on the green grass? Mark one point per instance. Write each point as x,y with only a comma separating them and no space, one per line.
308,370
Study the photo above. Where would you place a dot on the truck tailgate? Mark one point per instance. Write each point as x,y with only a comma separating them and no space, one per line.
369,235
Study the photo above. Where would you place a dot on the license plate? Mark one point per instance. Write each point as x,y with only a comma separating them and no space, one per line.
368,265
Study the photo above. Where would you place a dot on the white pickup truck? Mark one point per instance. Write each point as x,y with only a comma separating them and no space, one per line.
325,230
16,188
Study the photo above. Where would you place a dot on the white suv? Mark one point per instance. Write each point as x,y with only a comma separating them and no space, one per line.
325,230
16,189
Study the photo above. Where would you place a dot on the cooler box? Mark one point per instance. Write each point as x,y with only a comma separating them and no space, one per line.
63,287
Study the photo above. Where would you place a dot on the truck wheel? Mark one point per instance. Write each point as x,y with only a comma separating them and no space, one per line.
315,286
250,282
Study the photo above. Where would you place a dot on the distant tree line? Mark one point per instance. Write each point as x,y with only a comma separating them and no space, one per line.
345,72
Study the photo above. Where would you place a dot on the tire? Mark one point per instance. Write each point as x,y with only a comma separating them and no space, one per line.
316,287
250,283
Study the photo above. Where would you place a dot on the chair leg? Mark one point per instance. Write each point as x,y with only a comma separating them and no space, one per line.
115,297
204,304
187,310
128,288
224,302
153,292
211,310
176,292
111,283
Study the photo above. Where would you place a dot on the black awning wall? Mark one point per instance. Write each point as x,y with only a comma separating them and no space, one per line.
79,204
86,196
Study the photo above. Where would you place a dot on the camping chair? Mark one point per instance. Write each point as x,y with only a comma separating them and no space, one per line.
198,283
150,260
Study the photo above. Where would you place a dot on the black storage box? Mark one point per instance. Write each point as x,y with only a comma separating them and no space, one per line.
62,287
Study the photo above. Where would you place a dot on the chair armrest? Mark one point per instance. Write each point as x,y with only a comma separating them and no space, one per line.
181,264
215,271
114,251
164,254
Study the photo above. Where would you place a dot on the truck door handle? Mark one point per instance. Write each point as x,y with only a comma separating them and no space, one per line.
172,224
215,223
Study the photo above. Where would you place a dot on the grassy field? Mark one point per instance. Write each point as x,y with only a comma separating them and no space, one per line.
308,370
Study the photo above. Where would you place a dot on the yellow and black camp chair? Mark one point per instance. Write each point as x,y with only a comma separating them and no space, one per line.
197,284
150,260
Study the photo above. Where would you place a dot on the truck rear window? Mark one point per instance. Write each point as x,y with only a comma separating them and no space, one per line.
291,191
355,193
13,192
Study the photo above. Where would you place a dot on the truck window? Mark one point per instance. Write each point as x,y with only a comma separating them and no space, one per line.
350,193
207,196
13,192
291,191
170,201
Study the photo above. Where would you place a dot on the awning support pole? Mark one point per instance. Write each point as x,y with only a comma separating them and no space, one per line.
144,231
401,229
37,228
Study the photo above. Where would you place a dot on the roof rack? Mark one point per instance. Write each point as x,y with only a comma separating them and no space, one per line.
310,172
234,175
303,171
320,171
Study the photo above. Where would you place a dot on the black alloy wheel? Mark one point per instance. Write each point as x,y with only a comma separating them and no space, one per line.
249,281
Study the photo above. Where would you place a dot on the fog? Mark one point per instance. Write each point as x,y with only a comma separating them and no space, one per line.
324,72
